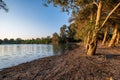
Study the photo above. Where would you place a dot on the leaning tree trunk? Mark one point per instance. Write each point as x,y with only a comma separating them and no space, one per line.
93,43
118,37
88,40
114,36
88,35
105,36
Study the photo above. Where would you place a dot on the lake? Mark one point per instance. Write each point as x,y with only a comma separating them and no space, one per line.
14,54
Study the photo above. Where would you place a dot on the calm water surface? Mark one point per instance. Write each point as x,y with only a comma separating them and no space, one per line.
14,54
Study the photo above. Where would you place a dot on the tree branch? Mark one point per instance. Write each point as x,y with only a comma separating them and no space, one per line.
109,15
95,3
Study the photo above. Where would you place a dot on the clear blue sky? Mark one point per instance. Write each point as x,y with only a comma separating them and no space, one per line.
30,19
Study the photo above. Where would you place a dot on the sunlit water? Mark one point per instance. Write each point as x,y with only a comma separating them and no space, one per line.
14,54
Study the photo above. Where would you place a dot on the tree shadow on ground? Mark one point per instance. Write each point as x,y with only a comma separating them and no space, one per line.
109,56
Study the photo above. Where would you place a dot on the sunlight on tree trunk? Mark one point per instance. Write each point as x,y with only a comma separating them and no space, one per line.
111,12
92,47
105,36
118,37
113,39
93,43
111,78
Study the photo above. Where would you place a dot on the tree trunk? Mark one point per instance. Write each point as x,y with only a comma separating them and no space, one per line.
110,13
93,43
92,46
88,40
113,39
88,35
91,16
105,36
118,37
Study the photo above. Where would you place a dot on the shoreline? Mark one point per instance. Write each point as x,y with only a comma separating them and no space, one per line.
72,65
26,62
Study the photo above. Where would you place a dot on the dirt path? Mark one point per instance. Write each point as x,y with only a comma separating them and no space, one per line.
72,65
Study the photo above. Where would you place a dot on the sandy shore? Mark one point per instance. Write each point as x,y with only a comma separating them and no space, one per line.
72,65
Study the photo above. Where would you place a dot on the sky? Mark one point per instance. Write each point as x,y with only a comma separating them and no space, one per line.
28,19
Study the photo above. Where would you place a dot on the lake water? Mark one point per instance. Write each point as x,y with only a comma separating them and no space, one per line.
14,54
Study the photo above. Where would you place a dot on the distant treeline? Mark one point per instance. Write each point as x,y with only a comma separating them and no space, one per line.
67,35
46,40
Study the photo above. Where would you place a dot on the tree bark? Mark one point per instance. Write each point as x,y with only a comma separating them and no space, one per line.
118,37
92,46
88,40
93,43
113,39
105,36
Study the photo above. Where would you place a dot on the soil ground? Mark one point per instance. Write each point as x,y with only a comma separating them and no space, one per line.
72,65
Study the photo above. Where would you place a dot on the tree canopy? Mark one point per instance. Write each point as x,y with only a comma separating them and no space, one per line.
3,5
90,17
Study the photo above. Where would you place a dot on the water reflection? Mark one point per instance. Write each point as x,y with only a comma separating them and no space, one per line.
11,55
61,48
14,54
